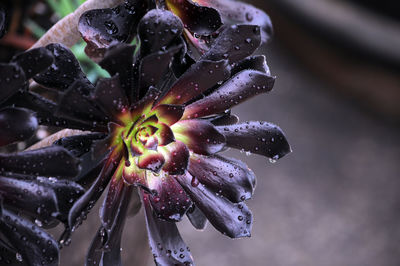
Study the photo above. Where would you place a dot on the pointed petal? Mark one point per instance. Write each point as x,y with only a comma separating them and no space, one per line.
64,70
111,97
235,43
153,67
151,160
228,177
157,29
118,59
169,113
100,27
196,80
170,202
238,89
33,61
176,157
164,134
79,144
257,62
165,241
16,124
35,245
237,12
109,209
12,80
201,20
257,137
197,218
52,161
200,136
231,219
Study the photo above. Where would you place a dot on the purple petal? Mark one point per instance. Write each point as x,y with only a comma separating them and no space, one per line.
200,136
176,157
165,241
197,218
257,62
170,202
228,177
16,124
231,219
33,61
238,89
257,137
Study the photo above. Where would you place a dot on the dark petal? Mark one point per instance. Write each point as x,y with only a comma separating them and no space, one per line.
45,112
16,124
201,20
63,72
76,102
80,144
197,218
118,59
101,27
224,119
235,43
168,113
238,89
153,67
237,12
157,30
196,80
135,203
35,245
111,203
232,219
151,160
170,201
54,161
165,241
34,61
257,62
110,96
12,80
225,176
257,137
176,157
8,254
30,197
82,206
164,134
200,136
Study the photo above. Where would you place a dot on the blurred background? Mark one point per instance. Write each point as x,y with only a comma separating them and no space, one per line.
335,200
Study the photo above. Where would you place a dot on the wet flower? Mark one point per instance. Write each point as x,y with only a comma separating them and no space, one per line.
34,192
157,125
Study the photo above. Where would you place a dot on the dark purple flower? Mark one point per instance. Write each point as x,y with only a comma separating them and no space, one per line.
159,124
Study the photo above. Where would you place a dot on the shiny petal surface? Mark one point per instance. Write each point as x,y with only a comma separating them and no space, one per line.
157,30
16,124
225,118
35,245
257,137
197,218
109,209
257,62
176,157
225,176
12,80
170,201
201,20
164,134
238,12
235,43
165,241
238,89
54,161
100,27
200,136
64,70
231,219
151,160
79,144
110,96
33,61
196,80
168,114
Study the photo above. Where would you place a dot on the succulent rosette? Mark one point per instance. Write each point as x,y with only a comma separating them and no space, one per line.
34,188
155,128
